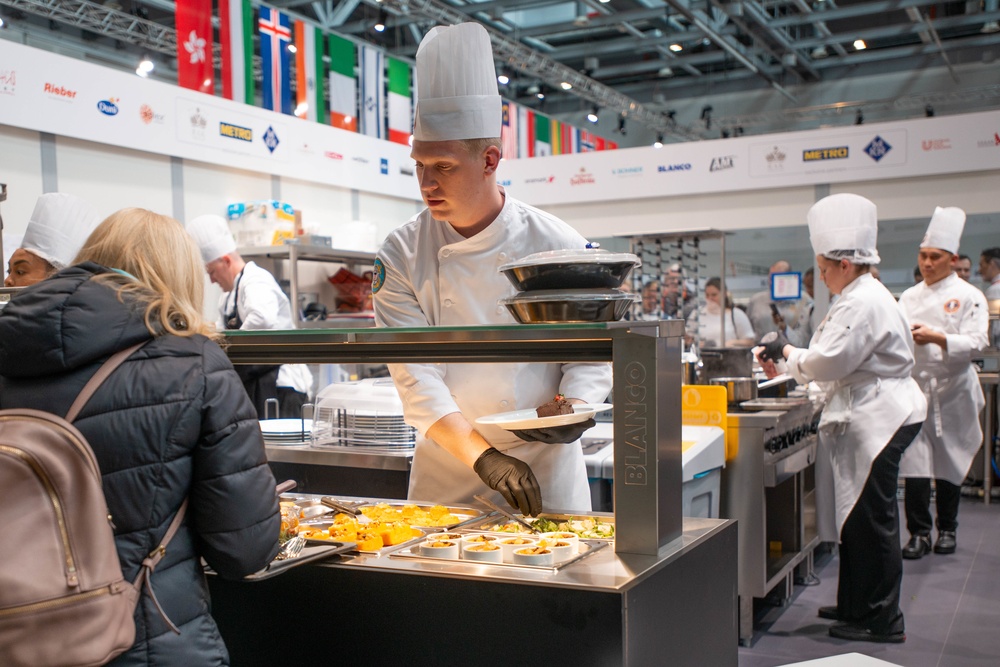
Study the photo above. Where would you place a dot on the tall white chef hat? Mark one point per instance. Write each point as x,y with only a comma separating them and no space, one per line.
945,230
211,233
844,226
58,228
457,94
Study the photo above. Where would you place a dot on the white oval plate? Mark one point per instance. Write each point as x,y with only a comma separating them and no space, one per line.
285,426
521,419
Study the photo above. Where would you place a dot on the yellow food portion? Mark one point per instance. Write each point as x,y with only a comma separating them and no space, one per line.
368,537
437,516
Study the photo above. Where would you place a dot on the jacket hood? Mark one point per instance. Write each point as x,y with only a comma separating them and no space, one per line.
65,322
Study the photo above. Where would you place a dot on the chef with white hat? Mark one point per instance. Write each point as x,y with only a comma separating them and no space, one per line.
950,319
251,299
440,269
861,355
56,231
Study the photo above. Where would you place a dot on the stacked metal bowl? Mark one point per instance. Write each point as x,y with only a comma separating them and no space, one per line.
559,286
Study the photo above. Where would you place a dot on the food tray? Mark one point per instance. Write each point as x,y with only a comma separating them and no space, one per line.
587,547
487,523
312,552
353,548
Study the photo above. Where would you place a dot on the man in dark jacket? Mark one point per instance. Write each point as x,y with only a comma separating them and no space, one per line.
172,422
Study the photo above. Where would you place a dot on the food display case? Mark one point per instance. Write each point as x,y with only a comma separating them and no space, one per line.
665,587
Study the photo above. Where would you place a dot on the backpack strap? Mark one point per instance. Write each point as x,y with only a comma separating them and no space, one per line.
150,562
109,366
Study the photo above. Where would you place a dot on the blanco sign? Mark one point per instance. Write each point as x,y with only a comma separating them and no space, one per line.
920,147
47,92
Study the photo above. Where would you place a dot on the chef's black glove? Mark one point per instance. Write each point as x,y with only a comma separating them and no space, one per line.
556,435
512,479
773,343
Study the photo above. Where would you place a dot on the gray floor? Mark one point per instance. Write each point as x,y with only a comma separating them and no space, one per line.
951,605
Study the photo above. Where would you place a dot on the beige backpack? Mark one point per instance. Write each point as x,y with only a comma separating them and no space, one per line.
63,598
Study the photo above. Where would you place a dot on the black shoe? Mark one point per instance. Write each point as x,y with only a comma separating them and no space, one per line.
945,542
856,633
917,547
829,613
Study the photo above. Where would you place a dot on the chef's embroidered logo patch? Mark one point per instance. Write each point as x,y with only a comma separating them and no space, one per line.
952,305
378,276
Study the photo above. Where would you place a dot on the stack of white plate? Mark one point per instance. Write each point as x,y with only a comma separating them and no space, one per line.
286,431
364,413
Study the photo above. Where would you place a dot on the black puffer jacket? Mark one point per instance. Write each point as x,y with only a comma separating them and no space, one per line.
172,421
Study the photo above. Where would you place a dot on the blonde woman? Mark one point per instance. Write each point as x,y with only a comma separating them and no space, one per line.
172,422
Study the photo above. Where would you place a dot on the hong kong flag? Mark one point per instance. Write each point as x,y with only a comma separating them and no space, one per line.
195,68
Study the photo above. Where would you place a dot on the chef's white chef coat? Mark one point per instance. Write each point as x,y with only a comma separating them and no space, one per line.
862,356
427,274
262,305
951,436
706,330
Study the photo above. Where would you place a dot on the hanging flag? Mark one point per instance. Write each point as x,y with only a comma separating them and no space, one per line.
574,139
275,36
309,100
343,86
372,91
598,143
508,131
195,69
525,132
566,130
555,128
543,134
587,142
610,145
236,36
400,110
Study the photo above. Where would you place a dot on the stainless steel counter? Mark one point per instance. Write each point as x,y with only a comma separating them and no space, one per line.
371,458
609,608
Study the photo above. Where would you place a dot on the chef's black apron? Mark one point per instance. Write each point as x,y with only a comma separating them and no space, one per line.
260,380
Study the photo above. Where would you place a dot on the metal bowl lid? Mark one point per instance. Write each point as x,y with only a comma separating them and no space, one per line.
574,256
579,295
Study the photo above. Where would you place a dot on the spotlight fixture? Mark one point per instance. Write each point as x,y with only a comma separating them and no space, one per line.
706,115
621,125
566,85
292,48
145,66
3,23
383,16
929,111
503,79
990,27
675,47
820,52
659,141
859,118
859,45
532,89
540,95
592,116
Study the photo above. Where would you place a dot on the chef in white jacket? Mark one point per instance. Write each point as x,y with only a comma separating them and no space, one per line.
440,269
251,300
57,229
862,355
949,319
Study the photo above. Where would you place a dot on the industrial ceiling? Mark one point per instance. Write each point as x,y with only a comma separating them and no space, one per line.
678,69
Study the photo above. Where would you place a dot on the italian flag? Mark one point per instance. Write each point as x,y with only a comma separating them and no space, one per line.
400,110
343,85
310,104
543,129
236,26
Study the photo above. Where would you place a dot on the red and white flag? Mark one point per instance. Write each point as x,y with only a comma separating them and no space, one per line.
195,69
236,35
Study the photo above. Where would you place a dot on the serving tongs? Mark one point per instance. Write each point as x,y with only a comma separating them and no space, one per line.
350,510
493,506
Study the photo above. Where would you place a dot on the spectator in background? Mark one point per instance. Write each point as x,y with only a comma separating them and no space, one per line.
989,269
963,267
790,317
706,327
652,302
807,282
677,299
56,229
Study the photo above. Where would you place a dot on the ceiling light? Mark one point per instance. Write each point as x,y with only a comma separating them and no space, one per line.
301,109
540,96
207,83
141,73
859,45
292,48
659,141
145,65
566,85
676,47
665,72
383,16
503,79
532,89
592,116
2,23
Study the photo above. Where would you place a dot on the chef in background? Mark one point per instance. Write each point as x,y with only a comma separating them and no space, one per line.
949,320
56,231
963,267
440,269
862,356
251,300
989,269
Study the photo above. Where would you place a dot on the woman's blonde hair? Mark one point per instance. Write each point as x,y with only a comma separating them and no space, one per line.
162,257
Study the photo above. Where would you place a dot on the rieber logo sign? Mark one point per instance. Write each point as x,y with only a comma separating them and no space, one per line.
59,92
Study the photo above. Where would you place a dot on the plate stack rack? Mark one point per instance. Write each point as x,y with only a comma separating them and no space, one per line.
345,427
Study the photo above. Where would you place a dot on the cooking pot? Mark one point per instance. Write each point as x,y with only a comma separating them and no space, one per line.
737,389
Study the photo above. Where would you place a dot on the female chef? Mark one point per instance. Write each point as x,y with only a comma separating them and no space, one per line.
861,355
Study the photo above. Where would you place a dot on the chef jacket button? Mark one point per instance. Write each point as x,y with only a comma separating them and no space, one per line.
503,255
500,309
447,303
445,253
503,404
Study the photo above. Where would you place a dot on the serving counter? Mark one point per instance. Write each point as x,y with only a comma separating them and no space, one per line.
352,471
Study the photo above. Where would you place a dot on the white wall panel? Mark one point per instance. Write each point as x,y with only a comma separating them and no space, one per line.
386,213
323,207
21,170
209,188
113,178
974,192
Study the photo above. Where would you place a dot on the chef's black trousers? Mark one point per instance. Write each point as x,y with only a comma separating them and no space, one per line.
871,560
918,505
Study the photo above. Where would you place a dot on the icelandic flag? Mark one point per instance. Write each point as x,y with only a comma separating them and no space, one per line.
275,35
